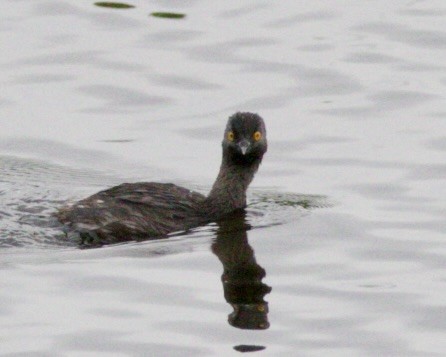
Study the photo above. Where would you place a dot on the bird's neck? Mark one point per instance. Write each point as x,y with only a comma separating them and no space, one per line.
229,190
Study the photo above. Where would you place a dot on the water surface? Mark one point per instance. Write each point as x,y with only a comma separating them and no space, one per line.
342,247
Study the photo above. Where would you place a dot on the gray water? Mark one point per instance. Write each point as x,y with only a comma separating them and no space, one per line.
346,215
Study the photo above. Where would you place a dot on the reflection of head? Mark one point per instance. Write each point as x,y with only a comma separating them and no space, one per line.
248,348
242,276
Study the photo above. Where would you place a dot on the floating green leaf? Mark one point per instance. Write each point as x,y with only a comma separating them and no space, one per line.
168,15
114,5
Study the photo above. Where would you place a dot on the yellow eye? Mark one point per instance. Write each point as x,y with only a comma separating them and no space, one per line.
257,135
230,136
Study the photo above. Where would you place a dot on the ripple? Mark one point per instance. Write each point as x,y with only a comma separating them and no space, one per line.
31,191
126,98
112,341
71,57
316,48
405,34
395,99
438,144
171,37
106,20
371,57
243,10
267,208
182,82
424,12
301,19
41,78
49,149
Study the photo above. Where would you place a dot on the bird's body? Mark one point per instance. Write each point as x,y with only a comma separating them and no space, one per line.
120,213
146,209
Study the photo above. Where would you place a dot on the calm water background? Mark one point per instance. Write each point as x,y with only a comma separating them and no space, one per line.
353,93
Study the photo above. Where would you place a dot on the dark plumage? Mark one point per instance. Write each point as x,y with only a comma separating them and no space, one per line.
146,209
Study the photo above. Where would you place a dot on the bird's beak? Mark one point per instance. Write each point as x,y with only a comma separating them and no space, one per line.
244,146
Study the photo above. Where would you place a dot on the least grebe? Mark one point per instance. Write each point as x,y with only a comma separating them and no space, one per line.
133,211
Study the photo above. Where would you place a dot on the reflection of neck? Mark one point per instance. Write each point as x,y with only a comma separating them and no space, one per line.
242,276
229,190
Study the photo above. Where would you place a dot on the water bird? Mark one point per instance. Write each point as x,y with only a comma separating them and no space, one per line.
144,210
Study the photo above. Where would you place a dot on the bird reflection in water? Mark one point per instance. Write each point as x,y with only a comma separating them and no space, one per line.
242,276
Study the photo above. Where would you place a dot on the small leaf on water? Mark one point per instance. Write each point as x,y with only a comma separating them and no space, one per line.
168,15
114,5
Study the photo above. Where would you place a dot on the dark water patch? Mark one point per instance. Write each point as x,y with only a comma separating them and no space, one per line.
210,133
348,162
51,8
439,114
432,318
382,101
5,102
420,67
89,58
142,291
317,82
353,112
306,143
109,20
425,205
214,53
395,99
284,172
384,251
59,40
114,66
268,102
356,111
171,37
428,172
41,78
113,21
315,48
213,328
405,34
115,313
429,225
183,82
114,5
383,191
424,12
371,58
117,141
226,51
309,81
168,15
116,97
255,66
437,144
301,18
252,42
243,10
31,147
112,341
71,57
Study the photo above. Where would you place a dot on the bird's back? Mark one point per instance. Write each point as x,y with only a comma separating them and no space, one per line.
134,211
